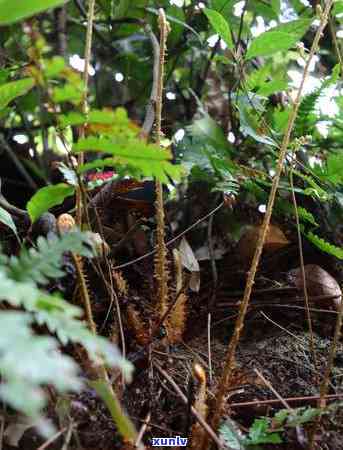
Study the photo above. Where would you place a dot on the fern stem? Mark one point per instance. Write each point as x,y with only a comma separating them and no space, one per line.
224,383
84,105
302,266
84,292
161,272
120,417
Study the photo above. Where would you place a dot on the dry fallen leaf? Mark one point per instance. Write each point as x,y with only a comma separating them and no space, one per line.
275,240
189,261
319,283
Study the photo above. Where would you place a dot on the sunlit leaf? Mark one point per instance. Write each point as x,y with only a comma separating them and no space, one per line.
14,10
14,89
337,8
277,39
220,26
149,159
46,198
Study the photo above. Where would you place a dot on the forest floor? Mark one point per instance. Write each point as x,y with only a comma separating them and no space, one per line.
275,364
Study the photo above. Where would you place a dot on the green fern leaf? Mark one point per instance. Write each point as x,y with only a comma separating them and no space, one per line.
325,246
148,159
314,190
40,361
306,117
41,263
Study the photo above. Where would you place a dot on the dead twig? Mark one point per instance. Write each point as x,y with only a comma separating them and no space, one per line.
198,417
300,437
301,400
52,439
143,430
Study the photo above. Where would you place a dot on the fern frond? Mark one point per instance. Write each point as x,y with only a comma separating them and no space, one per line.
307,109
40,362
325,246
307,114
39,356
43,262
314,190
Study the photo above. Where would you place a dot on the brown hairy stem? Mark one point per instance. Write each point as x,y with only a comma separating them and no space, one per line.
161,272
226,378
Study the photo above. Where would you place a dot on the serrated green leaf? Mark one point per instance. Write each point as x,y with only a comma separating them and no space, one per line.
302,416
7,220
306,215
281,416
148,159
259,433
46,198
220,26
22,385
13,89
325,246
12,11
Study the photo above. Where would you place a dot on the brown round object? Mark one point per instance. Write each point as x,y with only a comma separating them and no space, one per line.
65,223
319,283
